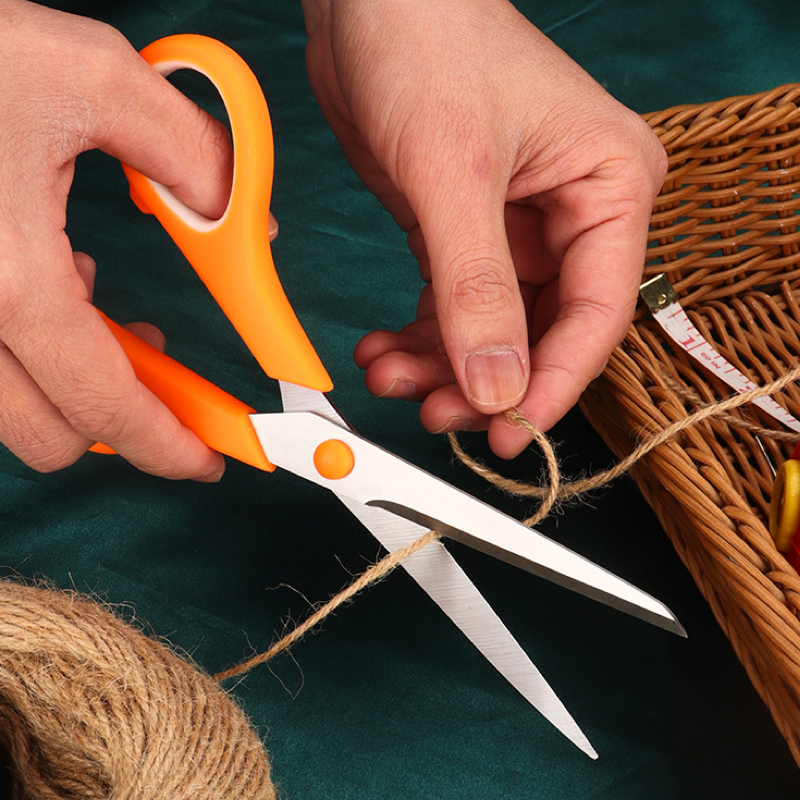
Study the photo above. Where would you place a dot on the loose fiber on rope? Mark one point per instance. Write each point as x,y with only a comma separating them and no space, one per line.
91,708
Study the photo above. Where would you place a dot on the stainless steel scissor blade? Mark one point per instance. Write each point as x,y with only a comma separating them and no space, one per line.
380,478
438,573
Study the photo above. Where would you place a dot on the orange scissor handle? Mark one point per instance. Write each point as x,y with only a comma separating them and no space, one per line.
218,418
232,255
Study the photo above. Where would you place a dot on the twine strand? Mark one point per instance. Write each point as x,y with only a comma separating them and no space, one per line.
568,490
691,396
367,578
549,494
554,491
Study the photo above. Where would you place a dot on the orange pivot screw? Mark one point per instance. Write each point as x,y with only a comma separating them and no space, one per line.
334,460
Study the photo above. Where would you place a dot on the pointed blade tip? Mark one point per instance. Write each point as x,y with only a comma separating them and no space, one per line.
574,734
586,748
677,629
666,620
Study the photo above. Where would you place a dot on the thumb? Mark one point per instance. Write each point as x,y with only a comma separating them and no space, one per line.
147,123
478,303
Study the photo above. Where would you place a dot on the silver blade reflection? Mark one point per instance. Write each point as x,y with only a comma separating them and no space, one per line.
437,572
382,479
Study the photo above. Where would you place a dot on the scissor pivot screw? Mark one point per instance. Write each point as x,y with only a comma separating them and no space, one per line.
334,459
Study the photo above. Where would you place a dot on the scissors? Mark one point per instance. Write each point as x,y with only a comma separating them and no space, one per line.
396,501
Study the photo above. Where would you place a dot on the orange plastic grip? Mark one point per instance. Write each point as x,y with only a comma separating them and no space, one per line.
232,255
219,419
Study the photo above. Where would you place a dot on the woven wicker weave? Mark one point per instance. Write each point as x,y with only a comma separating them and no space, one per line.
725,232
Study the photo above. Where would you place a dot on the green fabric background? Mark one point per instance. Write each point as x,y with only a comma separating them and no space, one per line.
388,700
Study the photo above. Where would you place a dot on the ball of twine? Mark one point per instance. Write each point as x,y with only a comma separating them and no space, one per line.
92,708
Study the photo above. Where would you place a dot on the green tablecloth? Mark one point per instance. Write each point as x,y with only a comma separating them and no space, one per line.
388,700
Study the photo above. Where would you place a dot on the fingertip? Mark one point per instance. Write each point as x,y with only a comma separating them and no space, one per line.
384,378
207,181
216,471
142,429
372,345
418,338
495,378
210,470
506,440
447,410
453,424
484,329
86,267
157,130
149,333
397,389
408,376
181,455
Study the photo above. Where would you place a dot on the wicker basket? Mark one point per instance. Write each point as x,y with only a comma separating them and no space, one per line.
725,233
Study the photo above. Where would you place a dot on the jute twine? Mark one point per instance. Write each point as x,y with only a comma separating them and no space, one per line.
92,708
552,493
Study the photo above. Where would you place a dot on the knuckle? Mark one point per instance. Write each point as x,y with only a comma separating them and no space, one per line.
480,288
600,315
97,101
210,139
651,164
216,138
54,455
645,157
98,47
44,448
14,301
102,45
658,160
96,405
100,421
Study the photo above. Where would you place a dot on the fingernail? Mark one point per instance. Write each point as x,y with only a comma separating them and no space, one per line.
495,377
400,389
212,477
453,425
273,227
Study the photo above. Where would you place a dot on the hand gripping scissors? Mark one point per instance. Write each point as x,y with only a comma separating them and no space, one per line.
395,500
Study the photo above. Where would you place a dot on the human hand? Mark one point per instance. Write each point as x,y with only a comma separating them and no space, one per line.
525,190
69,85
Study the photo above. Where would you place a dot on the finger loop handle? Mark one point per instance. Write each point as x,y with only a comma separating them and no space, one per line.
232,255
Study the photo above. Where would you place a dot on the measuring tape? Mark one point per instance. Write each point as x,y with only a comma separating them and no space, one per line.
669,314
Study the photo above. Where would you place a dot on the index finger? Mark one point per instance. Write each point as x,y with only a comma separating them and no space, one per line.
596,295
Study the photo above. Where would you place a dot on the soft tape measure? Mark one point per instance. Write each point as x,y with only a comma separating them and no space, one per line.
784,517
669,314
